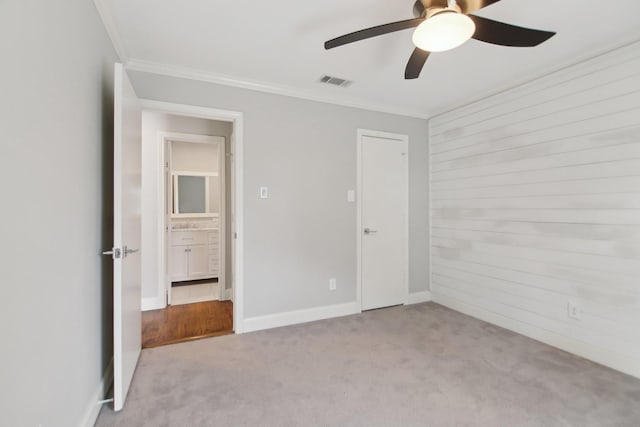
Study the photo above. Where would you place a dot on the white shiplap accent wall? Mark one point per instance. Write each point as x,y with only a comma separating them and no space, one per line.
536,202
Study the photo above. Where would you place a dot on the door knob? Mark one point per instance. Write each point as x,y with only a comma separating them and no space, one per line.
367,230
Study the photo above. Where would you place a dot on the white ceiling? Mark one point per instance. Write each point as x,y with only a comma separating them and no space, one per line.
279,44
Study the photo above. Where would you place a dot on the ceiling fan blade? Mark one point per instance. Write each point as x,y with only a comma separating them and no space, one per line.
469,6
499,33
415,64
373,32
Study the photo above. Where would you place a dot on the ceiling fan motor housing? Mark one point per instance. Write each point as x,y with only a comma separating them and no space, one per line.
433,11
421,7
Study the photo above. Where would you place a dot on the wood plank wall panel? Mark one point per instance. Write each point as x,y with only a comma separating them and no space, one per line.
536,202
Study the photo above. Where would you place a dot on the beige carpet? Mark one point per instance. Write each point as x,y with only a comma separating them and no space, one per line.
421,365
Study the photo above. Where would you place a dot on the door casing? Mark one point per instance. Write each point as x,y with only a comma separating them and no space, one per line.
164,207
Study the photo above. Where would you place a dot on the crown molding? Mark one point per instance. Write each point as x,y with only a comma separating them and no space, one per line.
108,20
259,86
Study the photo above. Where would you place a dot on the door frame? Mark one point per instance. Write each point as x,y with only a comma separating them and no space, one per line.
165,139
237,222
361,133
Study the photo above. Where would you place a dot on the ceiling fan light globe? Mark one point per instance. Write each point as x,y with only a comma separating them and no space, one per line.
443,31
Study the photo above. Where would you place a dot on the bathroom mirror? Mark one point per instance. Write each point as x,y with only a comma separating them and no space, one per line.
195,195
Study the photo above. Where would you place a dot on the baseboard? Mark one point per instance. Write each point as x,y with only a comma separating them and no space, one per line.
229,294
93,407
418,297
152,303
598,355
299,316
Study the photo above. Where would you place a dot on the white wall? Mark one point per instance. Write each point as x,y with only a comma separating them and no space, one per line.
152,123
535,196
56,117
305,152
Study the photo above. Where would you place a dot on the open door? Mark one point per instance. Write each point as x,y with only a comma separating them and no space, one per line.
127,167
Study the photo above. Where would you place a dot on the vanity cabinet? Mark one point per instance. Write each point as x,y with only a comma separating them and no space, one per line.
193,255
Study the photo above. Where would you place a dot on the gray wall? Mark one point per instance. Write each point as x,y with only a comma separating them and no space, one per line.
305,152
56,122
535,197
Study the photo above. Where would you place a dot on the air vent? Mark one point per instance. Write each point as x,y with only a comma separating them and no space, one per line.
335,81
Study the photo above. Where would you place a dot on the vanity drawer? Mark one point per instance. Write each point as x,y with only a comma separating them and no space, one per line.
180,238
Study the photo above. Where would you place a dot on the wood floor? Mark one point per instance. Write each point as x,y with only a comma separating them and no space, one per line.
178,323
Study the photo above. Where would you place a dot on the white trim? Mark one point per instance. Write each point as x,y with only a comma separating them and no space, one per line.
276,89
163,141
300,316
222,218
404,139
93,407
106,15
194,173
418,297
599,355
153,303
229,294
237,149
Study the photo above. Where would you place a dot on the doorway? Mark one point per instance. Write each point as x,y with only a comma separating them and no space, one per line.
383,233
192,222
195,211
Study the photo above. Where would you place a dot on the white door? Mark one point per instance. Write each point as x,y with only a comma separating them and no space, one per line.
178,263
383,219
126,237
198,260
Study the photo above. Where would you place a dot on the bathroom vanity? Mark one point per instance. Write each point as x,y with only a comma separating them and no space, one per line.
194,251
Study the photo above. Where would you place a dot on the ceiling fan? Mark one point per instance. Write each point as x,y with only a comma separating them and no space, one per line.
446,24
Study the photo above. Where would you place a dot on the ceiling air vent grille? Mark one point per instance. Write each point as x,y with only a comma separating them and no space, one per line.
335,81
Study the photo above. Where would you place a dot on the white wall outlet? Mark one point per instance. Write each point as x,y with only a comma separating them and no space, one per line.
332,284
351,196
574,310
264,192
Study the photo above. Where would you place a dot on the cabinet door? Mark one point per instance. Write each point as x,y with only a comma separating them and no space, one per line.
178,265
198,261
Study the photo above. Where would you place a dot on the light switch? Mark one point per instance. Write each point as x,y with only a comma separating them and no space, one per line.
351,196
264,192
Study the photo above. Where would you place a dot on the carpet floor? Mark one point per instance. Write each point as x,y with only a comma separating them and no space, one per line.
419,365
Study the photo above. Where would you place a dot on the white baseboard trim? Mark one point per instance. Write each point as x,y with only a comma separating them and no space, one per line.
418,297
229,294
93,407
599,355
152,303
300,316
